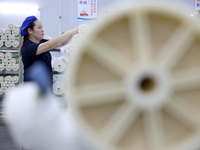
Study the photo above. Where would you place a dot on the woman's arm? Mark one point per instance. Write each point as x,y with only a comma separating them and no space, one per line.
57,41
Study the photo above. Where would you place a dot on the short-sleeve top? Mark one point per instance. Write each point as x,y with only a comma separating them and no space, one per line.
29,56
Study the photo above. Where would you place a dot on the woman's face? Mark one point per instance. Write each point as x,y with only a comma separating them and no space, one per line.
38,32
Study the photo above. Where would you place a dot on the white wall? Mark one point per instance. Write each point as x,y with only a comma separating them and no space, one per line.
50,11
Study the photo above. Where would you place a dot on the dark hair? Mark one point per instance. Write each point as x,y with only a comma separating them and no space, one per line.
26,36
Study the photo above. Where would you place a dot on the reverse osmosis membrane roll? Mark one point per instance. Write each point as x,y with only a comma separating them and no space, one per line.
7,32
3,37
1,79
8,43
15,43
13,26
1,55
15,67
8,67
77,38
11,37
4,84
1,43
12,61
83,29
15,79
59,64
8,79
8,55
58,88
1,91
11,85
15,32
2,67
70,48
4,61
1,32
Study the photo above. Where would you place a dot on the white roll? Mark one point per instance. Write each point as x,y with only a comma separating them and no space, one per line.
15,32
59,65
7,32
4,84
83,29
4,61
1,43
1,79
1,91
8,55
1,32
13,26
11,85
8,67
58,88
11,37
15,43
15,67
3,37
70,48
8,79
1,55
8,43
2,67
15,79
77,38
12,61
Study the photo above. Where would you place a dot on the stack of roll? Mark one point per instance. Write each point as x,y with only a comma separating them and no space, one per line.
9,61
7,83
59,64
10,37
58,85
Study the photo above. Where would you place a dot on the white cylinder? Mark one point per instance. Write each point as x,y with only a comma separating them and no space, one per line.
8,55
1,55
15,67
2,67
15,32
8,79
77,38
70,48
58,88
1,43
12,61
3,37
1,32
59,65
4,84
15,43
8,43
13,26
4,61
11,37
83,29
11,85
15,79
1,79
1,91
8,67
7,32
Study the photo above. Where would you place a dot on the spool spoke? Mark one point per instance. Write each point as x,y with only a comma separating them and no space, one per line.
100,94
120,123
141,37
106,55
153,122
186,79
176,46
183,111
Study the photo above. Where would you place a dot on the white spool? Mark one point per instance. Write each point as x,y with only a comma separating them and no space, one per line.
7,32
4,84
1,43
11,37
83,29
77,38
8,67
70,48
3,37
15,32
8,55
8,79
4,61
1,55
1,31
1,67
58,88
15,43
59,65
8,43
11,85
1,91
1,79
12,61
15,67
15,79
13,26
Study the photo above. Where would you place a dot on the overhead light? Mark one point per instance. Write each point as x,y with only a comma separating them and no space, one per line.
18,8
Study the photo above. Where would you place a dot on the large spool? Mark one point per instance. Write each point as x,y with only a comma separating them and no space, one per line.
135,81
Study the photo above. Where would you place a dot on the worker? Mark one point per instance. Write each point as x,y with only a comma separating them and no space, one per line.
36,48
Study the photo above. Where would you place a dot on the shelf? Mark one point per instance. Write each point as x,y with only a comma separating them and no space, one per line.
9,49
9,72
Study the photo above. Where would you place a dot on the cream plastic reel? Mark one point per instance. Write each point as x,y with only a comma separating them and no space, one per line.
135,82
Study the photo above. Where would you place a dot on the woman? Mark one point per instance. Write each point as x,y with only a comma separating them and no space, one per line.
35,48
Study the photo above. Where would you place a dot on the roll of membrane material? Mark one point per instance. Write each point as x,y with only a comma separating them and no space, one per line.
77,38
59,64
8,79
3,37
83,29
4,85
1,43
12,61
2,67
1,90
1,55
1,32
11,85
15,79
8,43
8,67
13,26
58,88
7,32
8,55
15,67
70,48
1,79
15,32
11,37
4,61
135,83
15,43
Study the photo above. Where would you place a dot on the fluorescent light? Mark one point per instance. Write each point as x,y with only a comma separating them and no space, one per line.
16,8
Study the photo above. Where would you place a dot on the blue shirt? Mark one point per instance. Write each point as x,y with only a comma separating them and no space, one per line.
29,57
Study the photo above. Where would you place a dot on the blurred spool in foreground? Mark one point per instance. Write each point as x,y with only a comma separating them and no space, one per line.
58,88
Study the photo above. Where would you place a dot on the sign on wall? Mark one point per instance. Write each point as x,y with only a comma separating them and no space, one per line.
197,5
87,9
